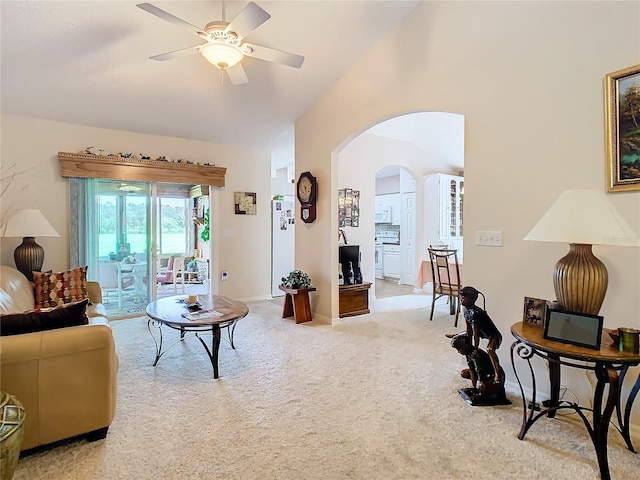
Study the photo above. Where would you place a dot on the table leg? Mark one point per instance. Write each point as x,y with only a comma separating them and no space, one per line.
157,342
215,347
601,418
525,352
624,422
302,307
287,307
230,330
554,384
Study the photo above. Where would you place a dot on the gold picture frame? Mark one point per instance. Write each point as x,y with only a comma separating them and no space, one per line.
622,97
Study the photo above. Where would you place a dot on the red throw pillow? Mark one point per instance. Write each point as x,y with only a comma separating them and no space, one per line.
55,289
68,315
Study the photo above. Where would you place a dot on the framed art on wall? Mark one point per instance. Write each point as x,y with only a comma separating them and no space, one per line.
348,208
245,203
622,96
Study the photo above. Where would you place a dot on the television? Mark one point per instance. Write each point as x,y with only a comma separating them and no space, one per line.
348,257
581,329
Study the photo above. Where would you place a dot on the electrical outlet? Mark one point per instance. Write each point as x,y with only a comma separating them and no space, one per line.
489,238
224,275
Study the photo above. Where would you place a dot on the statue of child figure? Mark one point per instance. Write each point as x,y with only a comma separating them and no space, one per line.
485,372
487,389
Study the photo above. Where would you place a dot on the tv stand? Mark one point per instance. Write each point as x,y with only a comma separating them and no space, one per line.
354,299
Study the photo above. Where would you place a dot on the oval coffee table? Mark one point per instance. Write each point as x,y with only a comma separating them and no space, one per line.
216,312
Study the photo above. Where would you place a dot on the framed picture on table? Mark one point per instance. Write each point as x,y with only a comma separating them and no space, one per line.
535,311
622,94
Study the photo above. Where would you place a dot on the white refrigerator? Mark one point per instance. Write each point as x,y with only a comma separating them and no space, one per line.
282,242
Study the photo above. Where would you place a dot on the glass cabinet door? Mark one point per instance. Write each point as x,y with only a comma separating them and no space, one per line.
454,202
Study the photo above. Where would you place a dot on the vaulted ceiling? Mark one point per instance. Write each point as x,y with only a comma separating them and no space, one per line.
87,62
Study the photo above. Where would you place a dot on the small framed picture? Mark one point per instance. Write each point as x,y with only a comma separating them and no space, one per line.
535,311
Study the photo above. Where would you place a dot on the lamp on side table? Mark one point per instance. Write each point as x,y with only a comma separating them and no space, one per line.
582,218
28,224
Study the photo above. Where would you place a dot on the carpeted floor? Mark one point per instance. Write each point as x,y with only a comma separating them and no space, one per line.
374,397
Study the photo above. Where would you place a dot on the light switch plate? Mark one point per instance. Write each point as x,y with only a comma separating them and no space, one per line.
489,238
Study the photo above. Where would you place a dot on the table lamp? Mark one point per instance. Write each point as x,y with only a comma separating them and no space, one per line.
30,223
582,218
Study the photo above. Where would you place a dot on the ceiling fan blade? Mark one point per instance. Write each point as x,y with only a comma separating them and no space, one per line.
273,55
249,18
152,9
176,53
237,76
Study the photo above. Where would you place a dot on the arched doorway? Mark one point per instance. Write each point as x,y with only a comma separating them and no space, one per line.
416,144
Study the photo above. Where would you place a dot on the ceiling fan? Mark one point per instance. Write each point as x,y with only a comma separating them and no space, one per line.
224,47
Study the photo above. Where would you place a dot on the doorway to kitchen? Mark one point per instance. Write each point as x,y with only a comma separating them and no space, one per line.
410,147
395,199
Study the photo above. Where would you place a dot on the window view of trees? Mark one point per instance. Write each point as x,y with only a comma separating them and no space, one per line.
172,224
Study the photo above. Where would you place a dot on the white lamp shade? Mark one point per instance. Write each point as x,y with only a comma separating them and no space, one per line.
583,217
28,223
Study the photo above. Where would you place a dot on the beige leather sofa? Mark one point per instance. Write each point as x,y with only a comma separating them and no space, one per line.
65,378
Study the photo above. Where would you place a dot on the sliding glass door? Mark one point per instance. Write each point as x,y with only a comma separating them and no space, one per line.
119,238
137,231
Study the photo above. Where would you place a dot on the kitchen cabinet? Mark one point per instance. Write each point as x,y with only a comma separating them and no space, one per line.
383,214
444,195
391,261
391,202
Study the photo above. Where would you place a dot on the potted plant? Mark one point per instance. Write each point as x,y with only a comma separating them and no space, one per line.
296,280
204,235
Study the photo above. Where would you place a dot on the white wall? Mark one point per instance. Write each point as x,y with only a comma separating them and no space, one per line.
528,76
33,145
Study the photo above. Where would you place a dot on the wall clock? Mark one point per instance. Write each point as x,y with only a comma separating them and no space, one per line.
307,191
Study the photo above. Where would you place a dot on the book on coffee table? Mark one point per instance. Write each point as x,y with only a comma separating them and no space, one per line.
200,314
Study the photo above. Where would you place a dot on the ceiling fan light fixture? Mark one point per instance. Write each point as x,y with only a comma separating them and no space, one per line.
222,55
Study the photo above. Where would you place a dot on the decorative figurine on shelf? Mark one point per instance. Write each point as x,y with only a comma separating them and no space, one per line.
488,383
351,276
357,275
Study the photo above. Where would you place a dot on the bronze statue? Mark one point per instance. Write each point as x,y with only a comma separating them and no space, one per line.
485,372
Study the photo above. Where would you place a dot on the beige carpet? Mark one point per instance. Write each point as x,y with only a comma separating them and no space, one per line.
372,398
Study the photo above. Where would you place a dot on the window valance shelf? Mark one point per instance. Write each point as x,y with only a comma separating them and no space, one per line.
84,165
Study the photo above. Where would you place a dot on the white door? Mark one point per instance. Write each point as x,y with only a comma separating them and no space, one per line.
408,251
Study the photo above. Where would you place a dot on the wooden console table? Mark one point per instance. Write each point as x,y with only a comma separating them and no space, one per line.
296,303
354,299
610,367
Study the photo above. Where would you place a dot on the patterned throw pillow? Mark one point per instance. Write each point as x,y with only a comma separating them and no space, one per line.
54,289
